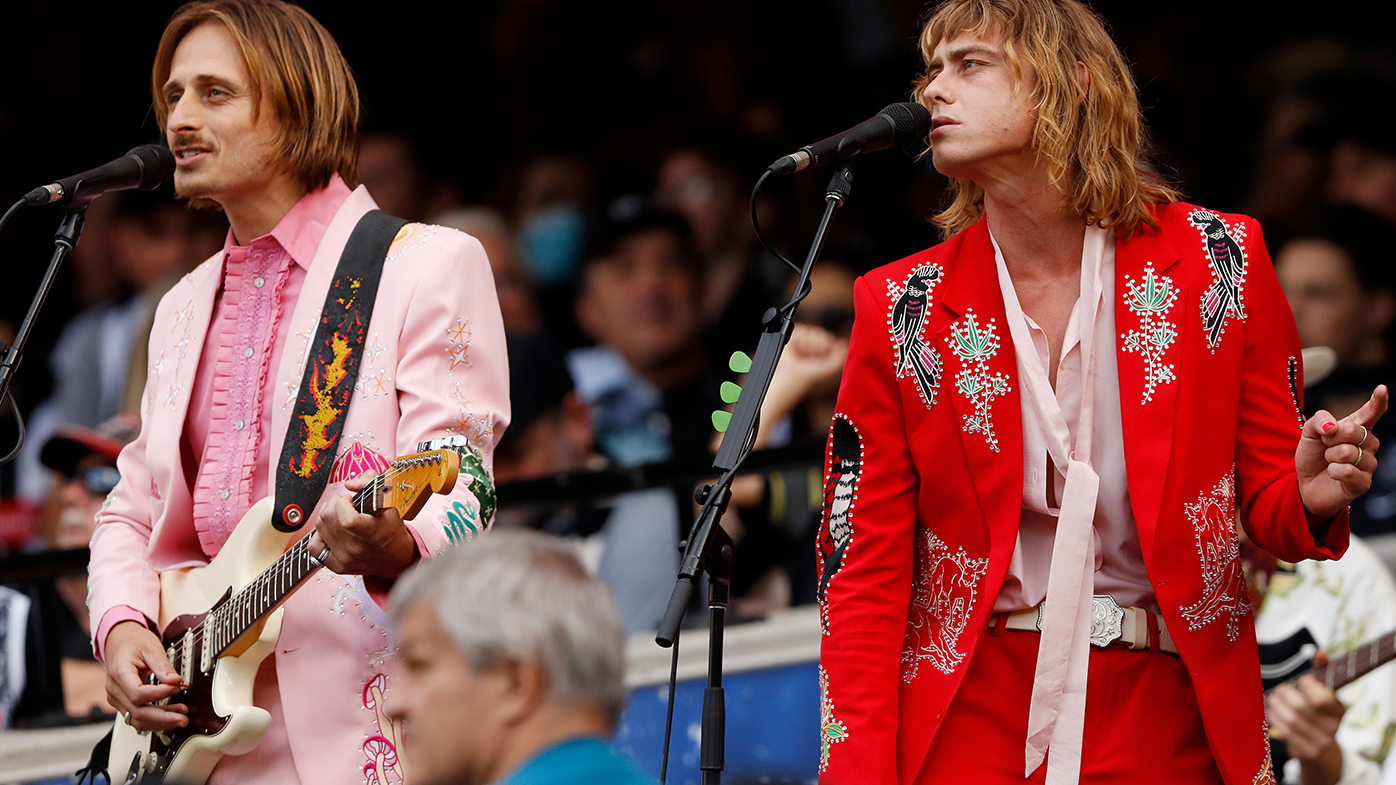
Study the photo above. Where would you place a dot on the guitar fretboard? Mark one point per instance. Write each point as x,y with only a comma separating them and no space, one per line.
230,621
1347,668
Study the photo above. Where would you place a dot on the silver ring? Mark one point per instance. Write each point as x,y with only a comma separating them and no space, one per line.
126,715
1365,433
319,560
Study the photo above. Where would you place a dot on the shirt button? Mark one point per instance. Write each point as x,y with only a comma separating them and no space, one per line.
247,352
224,494
259,282
239,425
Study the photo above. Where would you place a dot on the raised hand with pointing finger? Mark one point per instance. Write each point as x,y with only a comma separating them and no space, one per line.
1335,458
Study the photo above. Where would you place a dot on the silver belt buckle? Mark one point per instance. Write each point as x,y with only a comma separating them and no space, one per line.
1107,620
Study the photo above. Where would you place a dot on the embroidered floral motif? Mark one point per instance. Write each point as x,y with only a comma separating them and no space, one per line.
1150,300
184,318
384,766
464,519
831,730
356,460
845,464
944,589
1226,250
906,319
1294,389
975,347
1213,517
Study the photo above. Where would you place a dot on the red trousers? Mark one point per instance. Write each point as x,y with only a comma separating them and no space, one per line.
1142,722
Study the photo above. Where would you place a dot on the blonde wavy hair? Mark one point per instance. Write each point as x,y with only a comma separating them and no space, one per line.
294,62
1093,146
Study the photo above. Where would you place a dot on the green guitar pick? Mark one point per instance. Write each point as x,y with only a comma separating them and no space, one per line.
739,363
721,420
730,392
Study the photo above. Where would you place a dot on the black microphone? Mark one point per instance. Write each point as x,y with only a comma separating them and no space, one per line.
145,167
899,125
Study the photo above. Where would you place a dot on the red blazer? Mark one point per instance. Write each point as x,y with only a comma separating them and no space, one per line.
923,484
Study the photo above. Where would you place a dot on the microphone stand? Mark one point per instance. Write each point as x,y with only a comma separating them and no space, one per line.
708,548
63,241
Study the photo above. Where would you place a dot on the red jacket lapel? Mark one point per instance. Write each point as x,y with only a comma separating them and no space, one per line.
981,379
1150,318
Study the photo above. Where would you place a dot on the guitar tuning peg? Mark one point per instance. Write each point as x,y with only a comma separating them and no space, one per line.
730,392
739,362
721,420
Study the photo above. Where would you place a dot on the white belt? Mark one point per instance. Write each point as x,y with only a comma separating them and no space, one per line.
1109,623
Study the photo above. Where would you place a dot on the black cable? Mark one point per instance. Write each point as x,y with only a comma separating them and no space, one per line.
669,715
756,224
19,421
13,209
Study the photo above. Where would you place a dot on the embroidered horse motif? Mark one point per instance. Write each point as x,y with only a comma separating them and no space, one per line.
944,591
1213,517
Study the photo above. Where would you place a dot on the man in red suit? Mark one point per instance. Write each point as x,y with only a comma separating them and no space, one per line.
1048,426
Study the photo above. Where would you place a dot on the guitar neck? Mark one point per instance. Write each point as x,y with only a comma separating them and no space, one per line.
265,593
1344,669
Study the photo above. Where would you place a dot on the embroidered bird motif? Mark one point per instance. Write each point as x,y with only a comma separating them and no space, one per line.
845,464
908,317
1229,270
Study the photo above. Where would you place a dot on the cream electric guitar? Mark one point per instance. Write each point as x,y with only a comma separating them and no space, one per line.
221,621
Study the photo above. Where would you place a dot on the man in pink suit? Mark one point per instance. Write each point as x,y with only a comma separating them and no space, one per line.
261,111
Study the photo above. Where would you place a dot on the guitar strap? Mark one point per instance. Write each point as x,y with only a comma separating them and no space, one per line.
331,371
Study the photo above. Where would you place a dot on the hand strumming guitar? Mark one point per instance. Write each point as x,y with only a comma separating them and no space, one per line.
361,544
133,652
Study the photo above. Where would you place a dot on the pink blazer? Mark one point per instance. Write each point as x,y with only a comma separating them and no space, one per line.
435,365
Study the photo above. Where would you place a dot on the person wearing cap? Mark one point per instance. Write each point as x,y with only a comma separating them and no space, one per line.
61,675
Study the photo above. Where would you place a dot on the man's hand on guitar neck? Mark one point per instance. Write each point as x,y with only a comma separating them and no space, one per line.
360,544
133,654
1306,715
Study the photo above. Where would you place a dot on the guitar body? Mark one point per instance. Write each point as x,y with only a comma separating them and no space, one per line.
221,621
223,720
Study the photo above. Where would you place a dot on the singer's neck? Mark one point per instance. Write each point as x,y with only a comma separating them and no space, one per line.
258,212
1036,229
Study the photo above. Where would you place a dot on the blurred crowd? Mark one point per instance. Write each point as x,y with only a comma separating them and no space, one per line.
624,298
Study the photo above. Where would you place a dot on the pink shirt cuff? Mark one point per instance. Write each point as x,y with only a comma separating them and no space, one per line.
378,587
112,618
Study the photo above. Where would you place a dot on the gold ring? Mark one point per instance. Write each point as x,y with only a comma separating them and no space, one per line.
1359,457
1365,433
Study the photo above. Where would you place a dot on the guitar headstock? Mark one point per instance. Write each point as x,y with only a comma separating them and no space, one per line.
409,481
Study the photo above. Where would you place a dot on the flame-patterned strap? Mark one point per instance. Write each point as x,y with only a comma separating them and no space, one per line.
318,419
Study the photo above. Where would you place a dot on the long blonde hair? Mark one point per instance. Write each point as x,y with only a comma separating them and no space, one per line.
1091,146
295,62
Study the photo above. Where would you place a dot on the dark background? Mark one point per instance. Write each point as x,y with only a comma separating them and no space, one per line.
480,86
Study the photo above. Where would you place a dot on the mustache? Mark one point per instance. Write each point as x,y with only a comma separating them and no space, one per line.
181,140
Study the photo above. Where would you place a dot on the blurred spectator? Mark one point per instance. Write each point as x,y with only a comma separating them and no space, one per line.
1363,158
513,667
707,186
391,167
550,208
516,301
1339,281
62,675
647,379
153,241
633,538
1320,737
